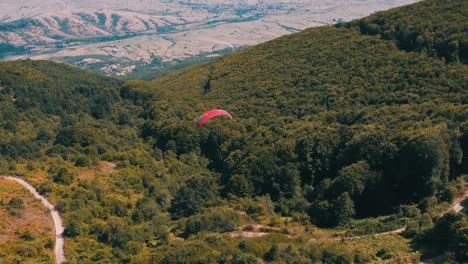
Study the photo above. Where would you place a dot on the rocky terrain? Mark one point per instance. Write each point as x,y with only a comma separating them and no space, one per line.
120,37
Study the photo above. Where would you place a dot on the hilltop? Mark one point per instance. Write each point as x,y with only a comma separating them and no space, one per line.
337,131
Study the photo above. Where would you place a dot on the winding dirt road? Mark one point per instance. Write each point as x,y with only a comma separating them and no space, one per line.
59,255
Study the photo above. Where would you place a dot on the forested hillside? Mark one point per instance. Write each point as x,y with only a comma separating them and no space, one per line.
343,130
436,28
322,108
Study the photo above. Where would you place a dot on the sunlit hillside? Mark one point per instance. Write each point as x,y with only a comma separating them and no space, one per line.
347,145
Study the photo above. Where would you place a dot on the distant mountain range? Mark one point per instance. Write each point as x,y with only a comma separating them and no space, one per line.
135,38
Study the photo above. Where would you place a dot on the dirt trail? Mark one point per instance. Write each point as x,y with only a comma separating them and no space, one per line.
59,255
456,205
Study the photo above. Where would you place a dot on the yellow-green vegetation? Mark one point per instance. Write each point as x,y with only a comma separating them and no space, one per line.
26,230
278,248
369,249
338,133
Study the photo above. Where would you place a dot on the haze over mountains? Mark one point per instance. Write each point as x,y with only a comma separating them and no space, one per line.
126,37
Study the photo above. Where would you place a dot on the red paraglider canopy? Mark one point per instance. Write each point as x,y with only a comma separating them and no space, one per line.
211,113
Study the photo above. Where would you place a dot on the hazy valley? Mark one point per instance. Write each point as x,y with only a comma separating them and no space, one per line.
139,38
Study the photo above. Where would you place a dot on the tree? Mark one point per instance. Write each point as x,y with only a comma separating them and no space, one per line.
115,232
145,209
64,176
207,84
272,254
352,179
317,155
321,213
239,186
422,162
343,209
215,220
73,227
450,233
83,161
192,197
84,136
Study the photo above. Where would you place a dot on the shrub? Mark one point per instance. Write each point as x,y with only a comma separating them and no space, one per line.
83,161
216,220
64,176
16,203
26,250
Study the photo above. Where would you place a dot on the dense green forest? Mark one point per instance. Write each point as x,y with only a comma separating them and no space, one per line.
345,130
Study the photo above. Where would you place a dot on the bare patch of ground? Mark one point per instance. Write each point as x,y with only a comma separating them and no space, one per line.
456,205
108,167
255,230
86,175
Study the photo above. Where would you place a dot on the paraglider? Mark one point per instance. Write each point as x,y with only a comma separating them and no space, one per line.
211,113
